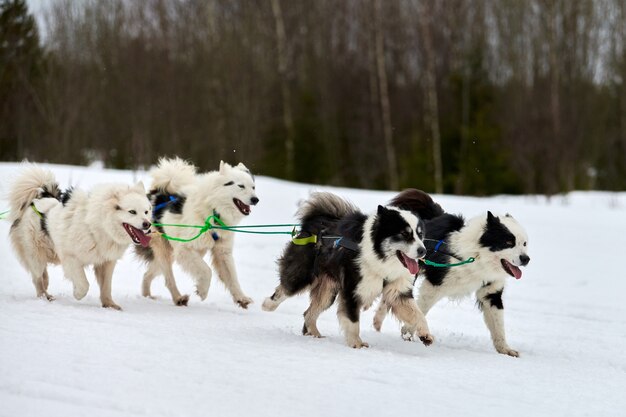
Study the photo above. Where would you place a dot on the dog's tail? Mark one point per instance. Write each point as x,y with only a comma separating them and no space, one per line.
32,183
171,175
418,202
324,205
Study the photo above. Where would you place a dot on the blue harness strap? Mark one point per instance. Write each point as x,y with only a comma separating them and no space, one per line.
438,245
165,204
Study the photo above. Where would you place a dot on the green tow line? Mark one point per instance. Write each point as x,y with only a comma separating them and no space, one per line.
4,215
214,222
438,265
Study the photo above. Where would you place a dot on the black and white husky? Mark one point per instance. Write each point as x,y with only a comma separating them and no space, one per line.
499,245
179,195
356,259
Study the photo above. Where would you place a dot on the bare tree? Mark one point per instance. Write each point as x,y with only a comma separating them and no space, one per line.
385,107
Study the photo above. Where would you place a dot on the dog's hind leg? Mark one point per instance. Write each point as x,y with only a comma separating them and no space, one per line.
222,257
323,294
40,281
192,262
75,272
104,275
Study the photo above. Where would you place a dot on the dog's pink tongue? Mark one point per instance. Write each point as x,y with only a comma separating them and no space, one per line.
144,240
411,264
516,271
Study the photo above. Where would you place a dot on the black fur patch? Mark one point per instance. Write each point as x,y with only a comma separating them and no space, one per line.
161,202
44,224
50,192
66,196
494,299
15,224
496,236
418,202
146,254
388,223
439,229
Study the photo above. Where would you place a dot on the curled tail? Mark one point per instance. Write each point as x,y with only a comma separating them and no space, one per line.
32,183
171,175
324,205
418,202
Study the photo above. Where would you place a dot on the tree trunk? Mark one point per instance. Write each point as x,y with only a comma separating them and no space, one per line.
432,106
281,47
392,165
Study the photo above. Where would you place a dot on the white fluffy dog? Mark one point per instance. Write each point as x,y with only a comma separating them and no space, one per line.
75,229
180,196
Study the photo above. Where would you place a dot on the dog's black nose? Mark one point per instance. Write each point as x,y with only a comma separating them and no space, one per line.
524,259
145,225
254,201
421,252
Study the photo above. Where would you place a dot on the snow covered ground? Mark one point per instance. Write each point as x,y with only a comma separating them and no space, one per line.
566,316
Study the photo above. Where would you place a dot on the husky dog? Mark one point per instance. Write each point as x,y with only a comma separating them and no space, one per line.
499,245
75,229
356,259
179,195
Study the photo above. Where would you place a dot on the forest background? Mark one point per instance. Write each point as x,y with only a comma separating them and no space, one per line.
472,97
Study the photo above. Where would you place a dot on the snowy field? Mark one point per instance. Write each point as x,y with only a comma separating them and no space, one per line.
566,316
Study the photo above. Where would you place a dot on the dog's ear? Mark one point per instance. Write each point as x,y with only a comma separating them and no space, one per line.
242,167
140,187
491,219
224,167
381,210
508,215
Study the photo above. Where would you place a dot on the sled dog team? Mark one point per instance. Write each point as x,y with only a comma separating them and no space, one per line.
353,258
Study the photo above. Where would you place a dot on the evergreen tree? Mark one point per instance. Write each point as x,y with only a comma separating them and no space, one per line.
21,65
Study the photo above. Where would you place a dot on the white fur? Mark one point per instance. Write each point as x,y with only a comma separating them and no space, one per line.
205,194
86,231
33,248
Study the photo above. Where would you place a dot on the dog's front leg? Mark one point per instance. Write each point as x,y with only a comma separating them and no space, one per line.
490,302
348,313
75,272
104,276
193,263
222,257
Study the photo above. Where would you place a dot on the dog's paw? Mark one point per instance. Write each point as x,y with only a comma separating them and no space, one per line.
311,332
80,290
111,304
47,296
505,350
427,339
359,344
202,292
269,304
407,333
244,301
182,301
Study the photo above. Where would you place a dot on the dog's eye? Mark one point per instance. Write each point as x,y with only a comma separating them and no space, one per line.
406,234
524,243
132,211
253,187
242,186
510,243
145,212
